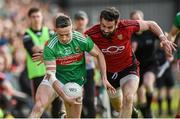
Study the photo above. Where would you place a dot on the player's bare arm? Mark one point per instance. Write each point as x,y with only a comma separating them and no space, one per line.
102,65
153,26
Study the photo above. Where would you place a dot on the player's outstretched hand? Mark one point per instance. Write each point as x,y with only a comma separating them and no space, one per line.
108,86
72,100
168,46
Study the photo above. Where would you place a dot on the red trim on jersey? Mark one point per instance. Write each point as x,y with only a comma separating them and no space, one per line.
69,59
46,43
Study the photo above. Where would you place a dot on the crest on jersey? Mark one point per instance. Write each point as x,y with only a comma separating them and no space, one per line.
77,49
120,36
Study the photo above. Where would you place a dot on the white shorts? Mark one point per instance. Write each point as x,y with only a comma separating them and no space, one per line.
122,82
46,82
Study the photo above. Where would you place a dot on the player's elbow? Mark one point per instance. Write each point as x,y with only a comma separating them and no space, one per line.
152,24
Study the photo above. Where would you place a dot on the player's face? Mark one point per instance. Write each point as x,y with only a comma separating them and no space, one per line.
81,24
36,18
107,27
64,34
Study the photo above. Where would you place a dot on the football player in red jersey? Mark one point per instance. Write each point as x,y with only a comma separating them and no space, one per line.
113,37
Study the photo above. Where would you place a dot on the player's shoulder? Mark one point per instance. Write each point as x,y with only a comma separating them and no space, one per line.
78,36
76,33
26,37
52,33
127,23
93,30
178,14
52,41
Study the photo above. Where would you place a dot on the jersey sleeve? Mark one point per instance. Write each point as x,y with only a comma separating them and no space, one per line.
135,27
132,25
51,33
89,45
28,44
48,54
177,20
86,43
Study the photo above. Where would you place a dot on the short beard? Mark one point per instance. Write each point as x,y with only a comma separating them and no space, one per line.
107,36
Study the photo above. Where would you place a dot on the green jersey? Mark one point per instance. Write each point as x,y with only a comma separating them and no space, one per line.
177,24
177,20
70,57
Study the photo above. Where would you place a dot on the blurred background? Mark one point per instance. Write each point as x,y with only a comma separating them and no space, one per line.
14,21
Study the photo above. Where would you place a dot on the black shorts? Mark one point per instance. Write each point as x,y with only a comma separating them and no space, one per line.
166,80
115,80
147,67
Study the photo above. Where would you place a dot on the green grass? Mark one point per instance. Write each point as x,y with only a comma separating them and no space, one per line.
175,98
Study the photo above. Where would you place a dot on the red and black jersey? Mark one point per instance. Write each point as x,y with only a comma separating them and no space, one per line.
117,50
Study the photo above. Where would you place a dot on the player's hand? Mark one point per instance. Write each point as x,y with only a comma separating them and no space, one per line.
108,86
168,46
72,100
36,49
38,57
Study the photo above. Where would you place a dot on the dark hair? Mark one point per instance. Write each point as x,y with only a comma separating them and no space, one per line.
33,10
110,14
62,21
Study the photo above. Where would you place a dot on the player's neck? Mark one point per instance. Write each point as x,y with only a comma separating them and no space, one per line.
81,30
36,27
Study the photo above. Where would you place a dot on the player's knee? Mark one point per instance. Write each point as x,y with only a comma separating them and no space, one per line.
128,98
147,84
39,106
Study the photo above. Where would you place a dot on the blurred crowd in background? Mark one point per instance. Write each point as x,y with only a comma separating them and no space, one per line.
15,93
13,74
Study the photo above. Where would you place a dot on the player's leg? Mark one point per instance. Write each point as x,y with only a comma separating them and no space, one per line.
129,86
88,110
44,96
169,83
116,100
56,107
141,92
178,110
149,79
73,111
159,86
160,99
169,93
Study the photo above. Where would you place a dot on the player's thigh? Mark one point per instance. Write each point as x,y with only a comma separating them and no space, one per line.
149,78
130,84
45,94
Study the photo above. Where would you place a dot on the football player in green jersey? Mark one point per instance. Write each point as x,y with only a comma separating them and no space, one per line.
172,33
64,57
